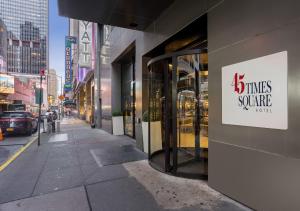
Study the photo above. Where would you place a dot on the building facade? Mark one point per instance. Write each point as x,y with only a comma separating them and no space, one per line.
83,66
3,47
27,26
52,87
218,83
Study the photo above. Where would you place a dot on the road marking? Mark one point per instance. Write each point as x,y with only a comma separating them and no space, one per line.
96,158
59,138
14,156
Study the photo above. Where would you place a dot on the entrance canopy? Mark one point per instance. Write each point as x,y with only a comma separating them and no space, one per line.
134,14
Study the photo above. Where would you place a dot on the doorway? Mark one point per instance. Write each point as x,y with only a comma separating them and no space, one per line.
178,111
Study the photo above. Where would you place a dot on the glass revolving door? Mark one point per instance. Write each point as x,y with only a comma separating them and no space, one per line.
178,113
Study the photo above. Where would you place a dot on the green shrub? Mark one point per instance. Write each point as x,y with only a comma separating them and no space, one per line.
145,117
117,113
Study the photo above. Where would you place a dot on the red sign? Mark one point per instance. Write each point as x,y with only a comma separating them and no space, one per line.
42,72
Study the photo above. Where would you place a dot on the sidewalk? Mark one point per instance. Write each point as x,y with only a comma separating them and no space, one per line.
88,169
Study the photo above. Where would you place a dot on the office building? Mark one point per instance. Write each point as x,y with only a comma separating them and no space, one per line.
52,87
27,26
3,47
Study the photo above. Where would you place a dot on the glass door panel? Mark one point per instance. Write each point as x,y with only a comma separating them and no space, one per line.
192,114
156,111
187,65
128,106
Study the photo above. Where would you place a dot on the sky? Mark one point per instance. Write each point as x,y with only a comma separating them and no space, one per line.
58,29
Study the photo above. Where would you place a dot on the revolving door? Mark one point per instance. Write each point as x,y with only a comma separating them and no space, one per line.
178,113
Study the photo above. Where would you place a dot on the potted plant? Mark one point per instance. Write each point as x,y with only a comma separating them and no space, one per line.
118,125
155,133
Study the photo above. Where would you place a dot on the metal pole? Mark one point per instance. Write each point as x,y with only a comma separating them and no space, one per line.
61,93
40,106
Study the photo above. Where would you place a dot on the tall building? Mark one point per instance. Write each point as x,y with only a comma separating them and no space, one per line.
27,26
3,46
52,87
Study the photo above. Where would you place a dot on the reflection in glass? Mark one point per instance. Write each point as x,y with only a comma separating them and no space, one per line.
128,106
156,110
192,135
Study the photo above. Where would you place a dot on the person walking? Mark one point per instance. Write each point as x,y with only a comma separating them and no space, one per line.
50,121
54,117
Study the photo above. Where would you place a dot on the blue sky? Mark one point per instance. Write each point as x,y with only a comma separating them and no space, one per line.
58,29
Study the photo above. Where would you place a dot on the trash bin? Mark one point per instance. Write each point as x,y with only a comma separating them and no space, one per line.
57,126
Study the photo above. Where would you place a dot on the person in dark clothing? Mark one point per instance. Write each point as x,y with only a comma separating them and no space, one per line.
54,117
50,121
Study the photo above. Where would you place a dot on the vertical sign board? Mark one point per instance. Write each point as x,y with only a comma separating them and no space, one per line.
94,45
69,40
85,44
254,92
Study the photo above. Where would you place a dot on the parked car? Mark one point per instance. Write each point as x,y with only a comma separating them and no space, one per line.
18,122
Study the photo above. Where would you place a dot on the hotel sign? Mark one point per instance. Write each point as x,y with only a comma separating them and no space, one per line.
85,43
254,92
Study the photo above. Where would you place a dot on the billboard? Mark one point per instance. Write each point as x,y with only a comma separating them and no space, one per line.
7,84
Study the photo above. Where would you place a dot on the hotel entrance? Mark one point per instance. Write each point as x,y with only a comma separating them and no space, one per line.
178,113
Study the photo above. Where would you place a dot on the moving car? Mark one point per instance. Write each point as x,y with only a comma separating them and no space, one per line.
18,122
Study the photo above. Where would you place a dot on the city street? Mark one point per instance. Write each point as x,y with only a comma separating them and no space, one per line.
89,169
11,144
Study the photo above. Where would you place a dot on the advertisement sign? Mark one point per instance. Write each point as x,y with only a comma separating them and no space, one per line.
69,40
85,43
254,92
7,84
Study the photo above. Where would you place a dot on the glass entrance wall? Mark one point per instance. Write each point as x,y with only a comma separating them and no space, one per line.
159,106
178,113
128,98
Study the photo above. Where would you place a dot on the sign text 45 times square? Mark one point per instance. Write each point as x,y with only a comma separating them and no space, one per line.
254,92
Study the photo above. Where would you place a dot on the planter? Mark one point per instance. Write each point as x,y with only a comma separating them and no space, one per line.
156,139
118,125
145,136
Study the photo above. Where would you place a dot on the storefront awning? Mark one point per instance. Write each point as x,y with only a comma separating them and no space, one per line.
134,14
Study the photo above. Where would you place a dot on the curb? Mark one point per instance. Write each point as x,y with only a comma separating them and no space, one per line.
16,154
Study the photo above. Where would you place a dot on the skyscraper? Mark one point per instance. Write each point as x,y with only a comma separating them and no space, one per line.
3,46
27,26
52,86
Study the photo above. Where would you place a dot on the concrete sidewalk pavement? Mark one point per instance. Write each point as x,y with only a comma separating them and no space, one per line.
88,169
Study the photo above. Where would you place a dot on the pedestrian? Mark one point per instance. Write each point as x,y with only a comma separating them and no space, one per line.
50,122
54,118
